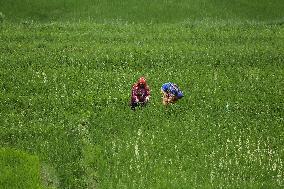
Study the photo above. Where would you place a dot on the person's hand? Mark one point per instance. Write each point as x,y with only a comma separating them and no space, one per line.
136,100
147,98
173,99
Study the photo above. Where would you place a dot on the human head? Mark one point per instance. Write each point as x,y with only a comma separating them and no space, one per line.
142,81
179,95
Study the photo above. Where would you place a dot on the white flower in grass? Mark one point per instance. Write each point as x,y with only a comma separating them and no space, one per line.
44,77
139,132
136,150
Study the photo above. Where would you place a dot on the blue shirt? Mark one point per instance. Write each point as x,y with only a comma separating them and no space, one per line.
172,89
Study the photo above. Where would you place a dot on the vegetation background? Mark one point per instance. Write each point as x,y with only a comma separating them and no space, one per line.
66,70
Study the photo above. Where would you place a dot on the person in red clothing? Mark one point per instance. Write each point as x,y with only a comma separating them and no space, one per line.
140,93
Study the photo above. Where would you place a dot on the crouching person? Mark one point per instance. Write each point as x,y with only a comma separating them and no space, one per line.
140,93
171,93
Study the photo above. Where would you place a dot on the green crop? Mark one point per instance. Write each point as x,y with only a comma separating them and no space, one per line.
146,11
18,170
65,91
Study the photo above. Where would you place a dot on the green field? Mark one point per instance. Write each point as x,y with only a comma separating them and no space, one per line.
145,11
66,71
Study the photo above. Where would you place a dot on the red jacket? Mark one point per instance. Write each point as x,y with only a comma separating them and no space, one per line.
139,92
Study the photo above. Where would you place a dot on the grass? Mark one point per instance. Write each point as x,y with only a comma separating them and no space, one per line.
18,170
157,11
65,89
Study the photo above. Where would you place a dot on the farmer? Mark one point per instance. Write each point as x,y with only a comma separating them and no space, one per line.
171,93
140,93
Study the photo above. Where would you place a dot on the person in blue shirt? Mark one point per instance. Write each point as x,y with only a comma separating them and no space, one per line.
171,93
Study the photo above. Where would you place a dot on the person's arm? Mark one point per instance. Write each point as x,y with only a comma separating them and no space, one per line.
148,91
173,99
134,93
166,96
